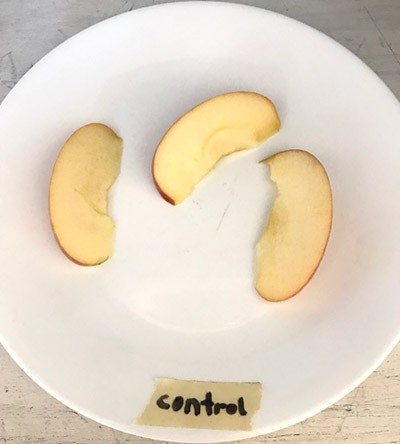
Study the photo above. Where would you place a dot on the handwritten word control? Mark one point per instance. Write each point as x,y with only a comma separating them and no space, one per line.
207,405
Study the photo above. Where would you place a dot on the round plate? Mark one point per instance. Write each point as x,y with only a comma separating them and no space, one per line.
177,298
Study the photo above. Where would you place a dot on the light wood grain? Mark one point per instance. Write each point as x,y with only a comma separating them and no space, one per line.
369,28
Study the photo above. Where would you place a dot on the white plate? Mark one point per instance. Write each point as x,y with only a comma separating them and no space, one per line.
177,297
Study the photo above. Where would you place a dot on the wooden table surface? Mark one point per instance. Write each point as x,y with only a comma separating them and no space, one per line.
369,28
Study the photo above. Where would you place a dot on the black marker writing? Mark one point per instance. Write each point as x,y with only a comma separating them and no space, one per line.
160,402
193,405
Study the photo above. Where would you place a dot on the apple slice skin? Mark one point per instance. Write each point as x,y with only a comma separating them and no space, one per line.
216,121
94,131
159,189
317,191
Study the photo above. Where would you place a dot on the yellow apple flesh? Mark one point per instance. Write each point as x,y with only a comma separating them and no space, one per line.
86,167
200,138
294,242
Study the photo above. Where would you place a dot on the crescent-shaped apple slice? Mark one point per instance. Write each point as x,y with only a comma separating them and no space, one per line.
85,169
215,128
294,242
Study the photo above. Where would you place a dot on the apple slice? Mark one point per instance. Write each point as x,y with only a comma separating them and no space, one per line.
85,169
215,128
297,233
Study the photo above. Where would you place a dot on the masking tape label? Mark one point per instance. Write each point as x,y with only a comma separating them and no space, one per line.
202,405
